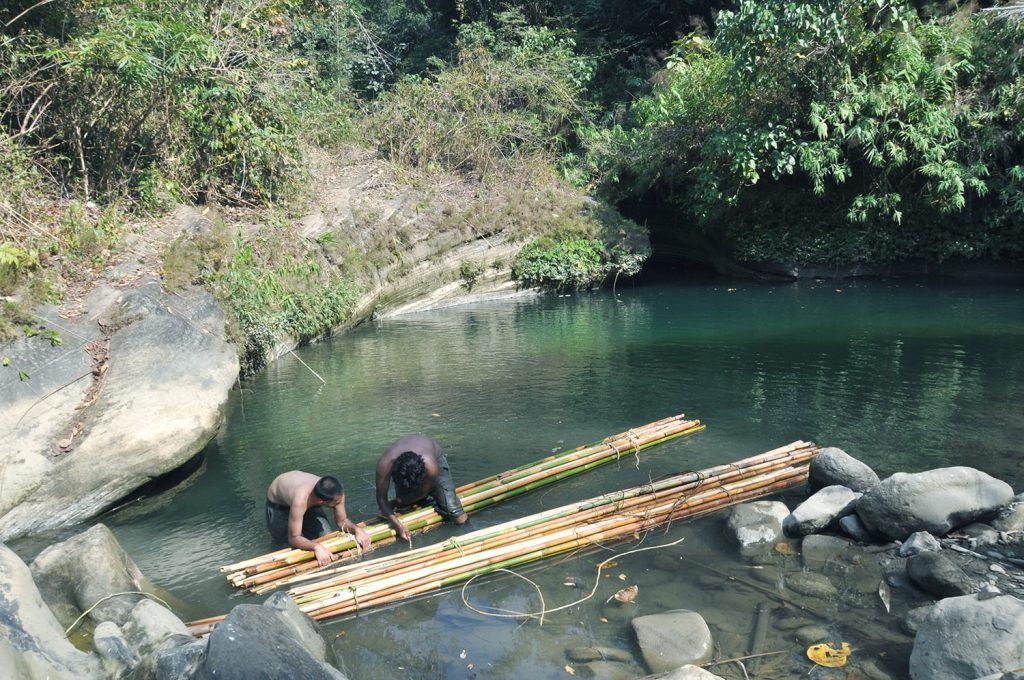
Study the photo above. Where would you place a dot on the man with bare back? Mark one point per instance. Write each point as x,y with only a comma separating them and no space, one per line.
419,469
295,502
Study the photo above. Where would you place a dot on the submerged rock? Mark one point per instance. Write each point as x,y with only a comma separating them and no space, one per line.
812,585
934,501
818,550
673,639
835,467
757,526
969,637
32,642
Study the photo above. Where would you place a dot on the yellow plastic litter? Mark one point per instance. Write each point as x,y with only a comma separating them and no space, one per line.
827,655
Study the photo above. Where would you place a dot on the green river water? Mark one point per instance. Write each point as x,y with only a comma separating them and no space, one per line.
904,376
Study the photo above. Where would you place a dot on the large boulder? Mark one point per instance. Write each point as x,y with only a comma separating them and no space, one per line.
136,389
823,509
272,640
32,642
82,571
934,501
757,527
835,467
969,637
672,639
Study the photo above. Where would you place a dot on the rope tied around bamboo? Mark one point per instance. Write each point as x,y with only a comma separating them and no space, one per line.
274,569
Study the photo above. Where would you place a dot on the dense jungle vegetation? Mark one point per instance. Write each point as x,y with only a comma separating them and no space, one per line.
834,132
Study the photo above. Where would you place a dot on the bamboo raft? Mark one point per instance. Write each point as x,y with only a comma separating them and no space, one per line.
284,567
613,516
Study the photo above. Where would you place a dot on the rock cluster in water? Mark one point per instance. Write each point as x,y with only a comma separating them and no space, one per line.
135,637
939,553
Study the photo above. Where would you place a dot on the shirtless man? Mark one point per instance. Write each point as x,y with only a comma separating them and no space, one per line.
419,469
295,502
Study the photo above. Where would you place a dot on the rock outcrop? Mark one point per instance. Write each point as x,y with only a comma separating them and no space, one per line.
135,389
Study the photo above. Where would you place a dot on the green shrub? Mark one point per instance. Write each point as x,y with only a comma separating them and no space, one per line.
561,263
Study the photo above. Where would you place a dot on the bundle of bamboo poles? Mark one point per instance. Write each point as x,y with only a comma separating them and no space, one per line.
612,516
271,571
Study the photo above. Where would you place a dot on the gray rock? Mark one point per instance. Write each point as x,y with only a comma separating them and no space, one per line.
1010,518
919,542
979,534
969,637
672,639
818,550
180,662
757,526
913,618
159,402
937,574
854,528
74,575
834,466
685,673
265,641
151,630
820,511
115,653
812,585
934,501
32,642
809,635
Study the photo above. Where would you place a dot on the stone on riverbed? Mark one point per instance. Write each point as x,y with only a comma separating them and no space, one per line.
757,526
821,510
855,529
32,642
812,585
934,501
672,639
273,640
832,467
818,550
919,542
969,637
1011,517
78,573
684,673
938,574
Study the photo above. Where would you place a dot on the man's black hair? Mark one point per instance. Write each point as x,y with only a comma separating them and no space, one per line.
328,488
408,472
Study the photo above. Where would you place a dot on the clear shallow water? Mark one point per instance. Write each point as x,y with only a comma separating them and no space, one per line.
903,376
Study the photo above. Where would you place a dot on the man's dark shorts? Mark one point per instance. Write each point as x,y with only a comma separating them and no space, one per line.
446,502
314,522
